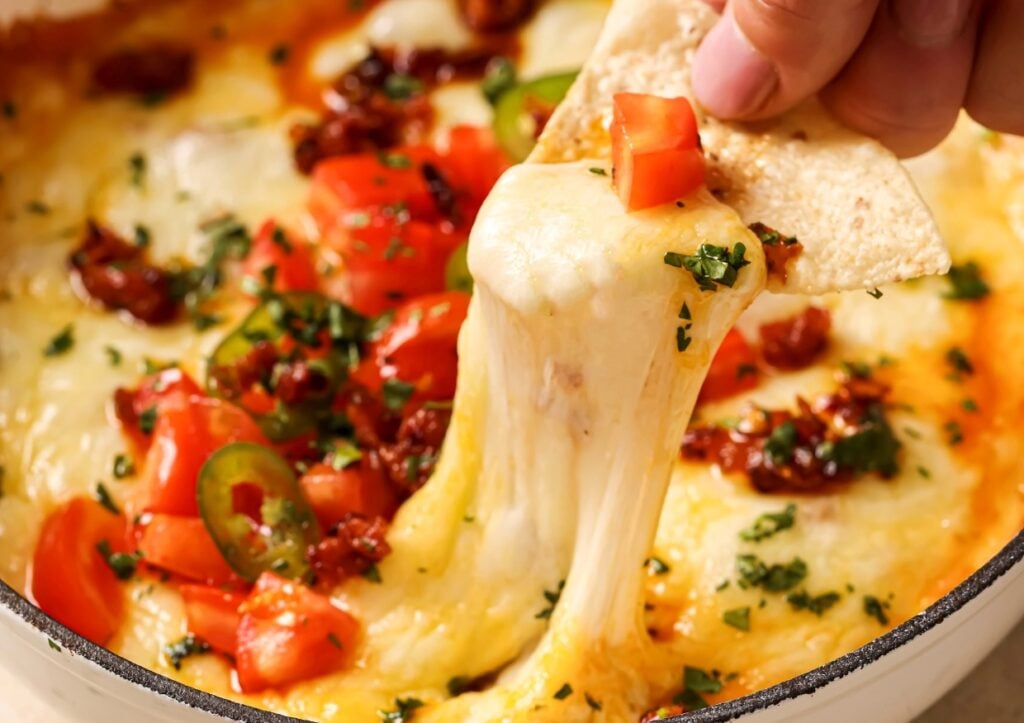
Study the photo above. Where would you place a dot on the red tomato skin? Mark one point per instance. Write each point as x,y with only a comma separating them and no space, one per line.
70,580
420,346
148,394
387,262
335,494
475,161
213,615
292,260
289,633
733,370
183,546
188,430
655,150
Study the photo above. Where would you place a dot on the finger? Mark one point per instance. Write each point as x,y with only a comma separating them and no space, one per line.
765,56
906,84
995,97
718,5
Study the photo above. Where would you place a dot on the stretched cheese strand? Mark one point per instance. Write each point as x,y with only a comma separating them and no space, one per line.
568,417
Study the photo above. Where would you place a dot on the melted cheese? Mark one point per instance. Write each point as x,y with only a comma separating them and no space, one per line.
478,546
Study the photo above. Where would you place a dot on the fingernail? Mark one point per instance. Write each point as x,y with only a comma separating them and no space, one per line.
731,78
930,23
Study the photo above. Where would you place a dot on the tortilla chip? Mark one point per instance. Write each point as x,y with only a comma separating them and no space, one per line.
849,201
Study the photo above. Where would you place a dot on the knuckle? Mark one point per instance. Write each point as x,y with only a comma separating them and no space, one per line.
804,12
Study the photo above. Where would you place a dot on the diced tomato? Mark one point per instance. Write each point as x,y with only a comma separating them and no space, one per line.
335,494
183,546
655,150
131,404
475,160
189,429
391,260
420,347
70,579
733,369
349,184
213,615
289,633
291,260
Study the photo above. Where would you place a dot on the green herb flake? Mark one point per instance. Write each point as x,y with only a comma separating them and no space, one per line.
959,363
966,283
395,393
969,405
104,498
188,646
769,236
499,77
597,171
372,574
711,266
875,293
405,709
552,597
779,446
123,466
770,523
279,54
682,340
343,454
816,604
753,572
334,640
61,343
137,169
122,563
280,239
394,160
738,618
872,448
400,86
143,236
657,566
37,208
684,313
147,420
458,685
53,645
875,608
696,682
954,432
924,471
564,692
593,703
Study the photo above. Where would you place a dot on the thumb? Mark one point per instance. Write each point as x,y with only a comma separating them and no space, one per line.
765,56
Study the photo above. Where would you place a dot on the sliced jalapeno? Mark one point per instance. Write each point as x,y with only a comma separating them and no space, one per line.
456,273
301,328
521,110
277,527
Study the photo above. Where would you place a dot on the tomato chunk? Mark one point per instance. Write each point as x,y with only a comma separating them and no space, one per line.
475,160
189,429
335,494
655,150
183,546
733,369
290,259
132,405
289,633
420,347
71,581
213,615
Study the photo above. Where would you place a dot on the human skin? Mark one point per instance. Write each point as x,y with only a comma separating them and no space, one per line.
897,70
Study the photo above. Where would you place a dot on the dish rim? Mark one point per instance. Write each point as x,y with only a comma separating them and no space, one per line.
807,683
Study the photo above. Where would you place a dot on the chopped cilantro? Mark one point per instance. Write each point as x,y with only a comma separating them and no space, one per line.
400,86
186,647
924,471
143,237
458,685
657,566
37,207
137,169
684,312
564,692
876,608
738,618
147,420
372,574
122,563
696,682
552,597
113,355
123,466
855,369
779,446
770,523
343,454
53,645
959,363
682,340
280,53
396,393
394,160
746,370
598,171
104,498
334,640
817,604
711,266
753,572
594,704
966,283
405,709
499,77
954,432
61,343
769,236
280,239
875,293
969,405
872,448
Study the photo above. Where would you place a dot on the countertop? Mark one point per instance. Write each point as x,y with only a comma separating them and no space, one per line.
992,693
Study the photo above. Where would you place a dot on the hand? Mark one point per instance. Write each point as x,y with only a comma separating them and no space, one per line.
898,70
